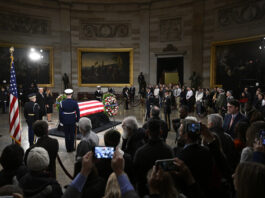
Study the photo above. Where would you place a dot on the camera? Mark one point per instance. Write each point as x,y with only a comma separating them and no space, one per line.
194,127
166,164
103,152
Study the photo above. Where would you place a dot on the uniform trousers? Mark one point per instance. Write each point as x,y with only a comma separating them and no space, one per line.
30,134
69,131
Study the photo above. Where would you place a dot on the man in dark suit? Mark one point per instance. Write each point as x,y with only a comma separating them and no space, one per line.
41,102
69,115
31,114
145,156
40,128
233,117
149,101
163,125
132,93
126,96
167,108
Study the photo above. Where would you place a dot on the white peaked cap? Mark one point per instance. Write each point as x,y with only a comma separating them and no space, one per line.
68,91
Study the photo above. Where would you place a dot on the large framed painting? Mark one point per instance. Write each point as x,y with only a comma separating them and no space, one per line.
238,63
112,67
33,64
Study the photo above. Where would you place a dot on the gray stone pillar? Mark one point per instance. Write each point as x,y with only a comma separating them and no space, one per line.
65,45
144,42
197,37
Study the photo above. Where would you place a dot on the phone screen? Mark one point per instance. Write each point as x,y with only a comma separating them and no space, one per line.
262,136
103,152
194,127
166,165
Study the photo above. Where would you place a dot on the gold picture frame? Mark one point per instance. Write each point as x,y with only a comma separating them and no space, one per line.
242,48
26,70
110,67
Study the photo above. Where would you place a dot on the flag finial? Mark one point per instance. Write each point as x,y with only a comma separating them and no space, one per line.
11,50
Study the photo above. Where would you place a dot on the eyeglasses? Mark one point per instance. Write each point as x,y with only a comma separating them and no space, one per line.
229,106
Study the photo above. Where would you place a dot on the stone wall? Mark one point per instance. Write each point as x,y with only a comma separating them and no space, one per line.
228,20
189,27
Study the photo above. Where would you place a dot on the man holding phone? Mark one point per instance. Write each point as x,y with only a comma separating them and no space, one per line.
198,158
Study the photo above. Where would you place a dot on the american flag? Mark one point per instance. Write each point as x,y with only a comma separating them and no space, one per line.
15,128
90,107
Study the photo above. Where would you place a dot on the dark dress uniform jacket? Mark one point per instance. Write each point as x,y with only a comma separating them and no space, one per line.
41,100
31,112
69,112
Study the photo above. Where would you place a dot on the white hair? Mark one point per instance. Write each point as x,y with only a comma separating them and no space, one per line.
85,125
130,122
215,119
192,118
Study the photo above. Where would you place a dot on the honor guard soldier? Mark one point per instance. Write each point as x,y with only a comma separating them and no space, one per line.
31,114
98,94
69,115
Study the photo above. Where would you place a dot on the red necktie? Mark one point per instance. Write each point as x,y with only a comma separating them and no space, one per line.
231,122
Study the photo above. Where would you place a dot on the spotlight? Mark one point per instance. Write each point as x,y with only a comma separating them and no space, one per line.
41,51
34,56
32,49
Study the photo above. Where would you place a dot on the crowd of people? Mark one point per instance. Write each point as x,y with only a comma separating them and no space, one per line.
223,158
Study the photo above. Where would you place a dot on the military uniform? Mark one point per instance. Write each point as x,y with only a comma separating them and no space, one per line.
69,114
31,114
98,94
41,100
3,99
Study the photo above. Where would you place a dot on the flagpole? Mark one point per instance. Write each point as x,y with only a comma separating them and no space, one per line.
11,50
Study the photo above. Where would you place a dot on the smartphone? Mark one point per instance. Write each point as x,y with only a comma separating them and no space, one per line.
262,136
104,152
194,127
167,164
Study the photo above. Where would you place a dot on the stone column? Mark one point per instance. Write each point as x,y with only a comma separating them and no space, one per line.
65,45
144,42
197,37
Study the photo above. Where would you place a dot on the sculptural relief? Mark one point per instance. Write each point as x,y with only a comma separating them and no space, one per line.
170,29
90,31
24,24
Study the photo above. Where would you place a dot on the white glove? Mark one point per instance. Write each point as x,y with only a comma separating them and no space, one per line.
61,124
76,124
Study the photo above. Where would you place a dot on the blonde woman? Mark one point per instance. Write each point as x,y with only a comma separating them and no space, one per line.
49,104
112,188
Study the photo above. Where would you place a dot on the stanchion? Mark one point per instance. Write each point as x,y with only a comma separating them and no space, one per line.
64,169
75,135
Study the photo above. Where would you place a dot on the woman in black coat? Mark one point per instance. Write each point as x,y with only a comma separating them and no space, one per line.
49,104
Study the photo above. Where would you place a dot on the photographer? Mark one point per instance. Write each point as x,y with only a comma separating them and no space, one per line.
198,158
117,164
165,182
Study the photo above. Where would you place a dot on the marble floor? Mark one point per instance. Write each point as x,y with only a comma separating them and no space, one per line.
69,158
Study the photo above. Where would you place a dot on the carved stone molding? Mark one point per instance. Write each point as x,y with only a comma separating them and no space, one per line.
170,48
170,29
90,31
24,24
240,14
